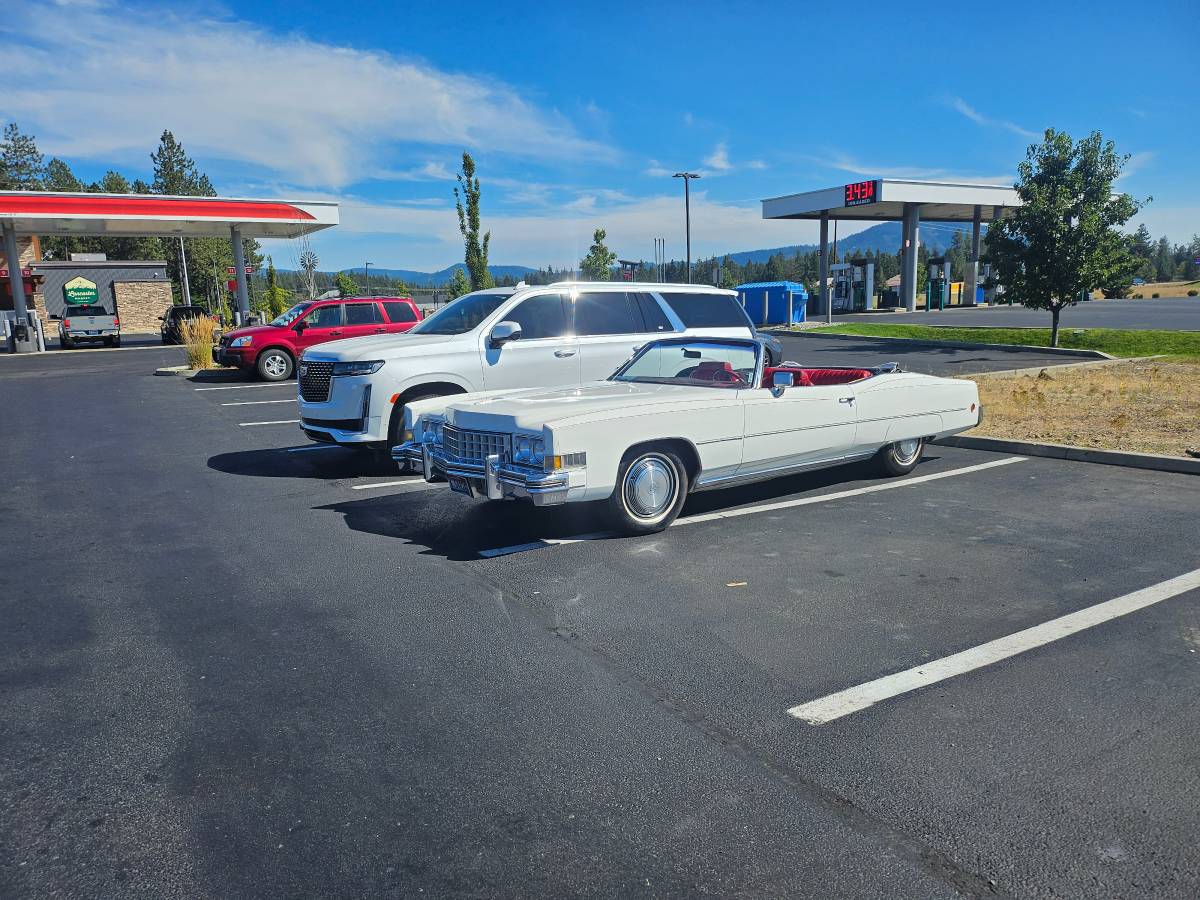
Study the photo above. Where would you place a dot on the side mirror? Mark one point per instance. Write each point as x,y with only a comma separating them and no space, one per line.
504,332
299,326
782,380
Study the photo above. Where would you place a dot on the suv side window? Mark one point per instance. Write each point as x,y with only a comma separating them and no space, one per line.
329,316
399,312
707,310
606,312
543,316
362,314
652,314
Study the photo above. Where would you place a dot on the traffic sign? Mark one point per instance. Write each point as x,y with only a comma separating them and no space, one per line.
232,270
231,284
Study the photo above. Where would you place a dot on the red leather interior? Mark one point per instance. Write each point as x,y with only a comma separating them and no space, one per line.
714,371
806,377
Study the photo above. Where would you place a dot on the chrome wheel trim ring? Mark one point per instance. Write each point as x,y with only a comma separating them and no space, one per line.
650,487
275,365
906,451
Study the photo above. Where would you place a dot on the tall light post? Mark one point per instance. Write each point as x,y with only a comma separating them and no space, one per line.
367,273
687,216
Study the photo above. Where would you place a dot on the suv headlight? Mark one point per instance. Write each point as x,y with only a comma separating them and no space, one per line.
241,341
529,449
358,367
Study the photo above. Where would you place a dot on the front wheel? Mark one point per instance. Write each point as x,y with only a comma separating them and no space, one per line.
901,457
274,365
652,486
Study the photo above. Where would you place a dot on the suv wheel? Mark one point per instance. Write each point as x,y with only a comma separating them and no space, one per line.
274,365
652,486
397,424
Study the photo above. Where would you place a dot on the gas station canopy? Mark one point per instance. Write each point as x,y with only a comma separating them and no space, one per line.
130,215
895,199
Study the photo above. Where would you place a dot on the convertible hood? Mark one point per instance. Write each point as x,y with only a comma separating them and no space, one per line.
531,409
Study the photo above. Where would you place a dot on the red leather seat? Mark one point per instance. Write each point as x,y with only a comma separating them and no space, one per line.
714,371
806,377
800,376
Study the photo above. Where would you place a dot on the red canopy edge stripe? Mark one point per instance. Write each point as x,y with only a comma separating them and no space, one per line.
150,208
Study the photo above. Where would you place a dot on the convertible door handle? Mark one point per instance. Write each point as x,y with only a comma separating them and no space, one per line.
849,400
563,354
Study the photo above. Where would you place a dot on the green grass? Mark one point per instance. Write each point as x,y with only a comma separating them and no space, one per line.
1107,340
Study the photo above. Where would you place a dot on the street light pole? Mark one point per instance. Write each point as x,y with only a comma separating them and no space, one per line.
367,273
687,216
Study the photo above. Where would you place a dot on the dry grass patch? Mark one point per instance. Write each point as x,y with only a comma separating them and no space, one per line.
1144,407
198,336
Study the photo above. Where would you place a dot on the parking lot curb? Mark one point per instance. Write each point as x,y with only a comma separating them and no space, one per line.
1034,371
1077,454
960,345
175,370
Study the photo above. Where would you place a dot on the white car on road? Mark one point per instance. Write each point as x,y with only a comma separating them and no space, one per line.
685,414
353,392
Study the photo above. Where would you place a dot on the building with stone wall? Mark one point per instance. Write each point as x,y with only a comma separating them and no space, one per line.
137,291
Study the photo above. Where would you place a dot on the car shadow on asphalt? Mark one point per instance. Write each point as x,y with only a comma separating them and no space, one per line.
461,529
333,464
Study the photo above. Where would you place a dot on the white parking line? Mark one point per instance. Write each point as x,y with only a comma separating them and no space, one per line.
277,422
851,700
408,485
766,507
239,387
257,402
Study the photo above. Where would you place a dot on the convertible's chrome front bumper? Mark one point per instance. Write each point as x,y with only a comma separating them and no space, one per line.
495,479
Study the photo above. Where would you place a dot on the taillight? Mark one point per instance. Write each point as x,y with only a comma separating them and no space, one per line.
116,322
66,323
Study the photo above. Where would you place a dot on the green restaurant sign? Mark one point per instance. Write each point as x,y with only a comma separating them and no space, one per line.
79,291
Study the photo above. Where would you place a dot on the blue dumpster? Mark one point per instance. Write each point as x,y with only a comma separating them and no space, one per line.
766,302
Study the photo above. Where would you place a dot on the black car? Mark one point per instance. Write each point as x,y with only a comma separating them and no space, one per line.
171,319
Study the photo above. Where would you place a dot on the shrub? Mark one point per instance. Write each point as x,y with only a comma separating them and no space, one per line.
1137,296
198,335
1154,296
1193,293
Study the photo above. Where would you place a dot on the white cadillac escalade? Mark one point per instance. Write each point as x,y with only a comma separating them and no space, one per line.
353,392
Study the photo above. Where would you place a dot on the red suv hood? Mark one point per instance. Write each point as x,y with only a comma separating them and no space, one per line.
252,330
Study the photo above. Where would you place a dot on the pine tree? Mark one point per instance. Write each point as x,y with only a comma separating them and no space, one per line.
21,165
597,265
476,251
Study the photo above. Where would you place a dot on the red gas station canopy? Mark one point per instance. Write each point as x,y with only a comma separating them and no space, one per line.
121,215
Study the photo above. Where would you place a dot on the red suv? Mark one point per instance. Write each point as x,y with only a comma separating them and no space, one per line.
272,350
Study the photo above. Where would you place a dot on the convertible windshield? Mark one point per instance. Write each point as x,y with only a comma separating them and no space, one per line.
291,315
461,316
704,363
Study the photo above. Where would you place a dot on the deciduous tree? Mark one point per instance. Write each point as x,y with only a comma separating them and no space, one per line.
466,201
1063,239
597,265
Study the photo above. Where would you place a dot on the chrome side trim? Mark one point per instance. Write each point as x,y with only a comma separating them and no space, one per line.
721,481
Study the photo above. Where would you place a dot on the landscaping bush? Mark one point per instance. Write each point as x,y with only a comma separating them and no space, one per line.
1154,296
1193,293
1137,296
198,336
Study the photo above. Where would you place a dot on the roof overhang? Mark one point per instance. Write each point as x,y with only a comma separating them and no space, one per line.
940,201
156,215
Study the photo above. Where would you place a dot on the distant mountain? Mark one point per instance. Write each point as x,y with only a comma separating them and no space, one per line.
430,279
885,236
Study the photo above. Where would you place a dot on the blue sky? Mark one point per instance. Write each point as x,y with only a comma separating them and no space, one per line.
577,114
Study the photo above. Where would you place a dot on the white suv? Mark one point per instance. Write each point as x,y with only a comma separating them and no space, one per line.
353,391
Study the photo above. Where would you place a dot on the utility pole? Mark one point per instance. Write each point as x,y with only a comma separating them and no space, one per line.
687,216
367,273
187,288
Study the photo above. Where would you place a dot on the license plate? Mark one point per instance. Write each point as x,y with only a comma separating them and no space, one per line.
460,485
93,332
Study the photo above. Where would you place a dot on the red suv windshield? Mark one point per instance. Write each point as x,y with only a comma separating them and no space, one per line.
291,315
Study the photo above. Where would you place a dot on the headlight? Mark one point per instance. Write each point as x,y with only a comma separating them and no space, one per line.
358,367
529,449
242,341
431,430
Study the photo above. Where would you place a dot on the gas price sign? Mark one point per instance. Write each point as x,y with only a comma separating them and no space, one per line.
861,193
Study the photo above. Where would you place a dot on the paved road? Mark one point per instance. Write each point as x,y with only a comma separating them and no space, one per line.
1177,314
812,349
228,669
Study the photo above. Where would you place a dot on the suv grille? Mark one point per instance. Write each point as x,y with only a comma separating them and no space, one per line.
314,380
473,446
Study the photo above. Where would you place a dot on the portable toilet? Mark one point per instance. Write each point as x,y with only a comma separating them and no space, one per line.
768,302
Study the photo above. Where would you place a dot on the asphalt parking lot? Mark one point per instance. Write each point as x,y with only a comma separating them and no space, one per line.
237,664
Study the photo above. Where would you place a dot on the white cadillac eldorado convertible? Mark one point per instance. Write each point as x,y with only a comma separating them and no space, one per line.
682,415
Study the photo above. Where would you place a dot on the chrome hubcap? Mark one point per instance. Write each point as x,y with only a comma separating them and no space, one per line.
906,451
650,487
276,365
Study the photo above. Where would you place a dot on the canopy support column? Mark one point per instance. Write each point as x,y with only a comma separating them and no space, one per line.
17,283
908,266
826,299
239,264
971,281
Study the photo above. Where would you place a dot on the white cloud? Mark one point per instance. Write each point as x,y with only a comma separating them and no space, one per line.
842,162
311,112
431,171
719,158
961,105
1137,162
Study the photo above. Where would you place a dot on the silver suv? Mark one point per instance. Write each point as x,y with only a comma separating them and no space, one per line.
353,391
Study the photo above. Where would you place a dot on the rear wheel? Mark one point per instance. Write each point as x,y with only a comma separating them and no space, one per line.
652,486
65,342
901,457
274,365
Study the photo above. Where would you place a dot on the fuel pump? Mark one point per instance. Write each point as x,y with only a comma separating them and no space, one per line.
843,287
863,286
937,285
853,285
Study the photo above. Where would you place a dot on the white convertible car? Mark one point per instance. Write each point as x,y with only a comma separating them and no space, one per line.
682,415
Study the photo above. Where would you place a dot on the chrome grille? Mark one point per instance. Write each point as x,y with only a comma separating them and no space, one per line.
473,446
314,380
